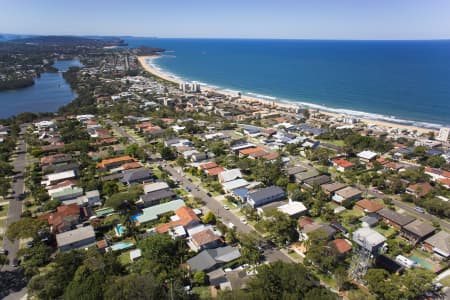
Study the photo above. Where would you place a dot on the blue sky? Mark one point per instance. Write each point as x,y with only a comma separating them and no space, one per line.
312,19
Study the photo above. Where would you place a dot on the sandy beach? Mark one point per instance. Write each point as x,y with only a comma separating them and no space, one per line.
372,122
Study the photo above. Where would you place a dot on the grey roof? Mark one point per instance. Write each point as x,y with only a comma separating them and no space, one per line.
368,238
321,179
157,195
115,176
333,187
307,174
419,228
348,192
209,258
136,175
296,169
370,220
265,193
440,240
72,236
395,217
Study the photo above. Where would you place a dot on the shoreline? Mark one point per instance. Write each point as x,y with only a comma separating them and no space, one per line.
152,69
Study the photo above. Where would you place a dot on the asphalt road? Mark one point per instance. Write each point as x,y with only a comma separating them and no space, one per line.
410,209
212,204
15,204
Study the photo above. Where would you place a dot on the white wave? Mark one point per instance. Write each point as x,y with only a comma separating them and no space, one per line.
365,115
261,96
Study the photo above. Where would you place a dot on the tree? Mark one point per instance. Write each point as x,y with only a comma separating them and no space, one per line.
110,188
250,253
280,228
209,218
322,255
35,257
134,286
160,248
181,161
25,228
135,151
280,280
167,153
199,278
417,282
230,236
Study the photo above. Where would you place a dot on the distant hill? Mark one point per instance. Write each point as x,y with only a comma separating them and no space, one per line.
54,40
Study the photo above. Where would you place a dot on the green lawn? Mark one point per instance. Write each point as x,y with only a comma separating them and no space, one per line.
4,210
339,143
386,232
124,258
445,281
204,292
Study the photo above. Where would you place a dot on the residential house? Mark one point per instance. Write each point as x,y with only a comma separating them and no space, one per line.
417,231
229,175
342,165
369,239
77,238
347,195
210,259
371,220
66,193
342,246
64,218
316,181
310,173
138,176
114,162
396,220
419,189
55,178
439,244
154,187
368,206
155,197
265,195
229,186
205,239
293,209
331,188
366,156
184,216
152,213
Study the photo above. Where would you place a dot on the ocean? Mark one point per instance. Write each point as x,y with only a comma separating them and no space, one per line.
402,81
49,92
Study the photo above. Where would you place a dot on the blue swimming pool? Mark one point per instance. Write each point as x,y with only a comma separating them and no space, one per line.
121,246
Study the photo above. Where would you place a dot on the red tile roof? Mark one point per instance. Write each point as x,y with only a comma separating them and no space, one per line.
421,189
342,162
185,214
208,165
104,163
248,151
131,165
204,237
369,206
215,171
342,246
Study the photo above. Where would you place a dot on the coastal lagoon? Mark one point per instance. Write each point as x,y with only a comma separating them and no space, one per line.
403,81
49,92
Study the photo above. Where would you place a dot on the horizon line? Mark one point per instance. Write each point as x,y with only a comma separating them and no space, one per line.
233,38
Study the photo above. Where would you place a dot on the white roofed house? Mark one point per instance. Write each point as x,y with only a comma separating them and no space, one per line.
234,184
77,238
229,175
367,156
293,209
58,177
369,239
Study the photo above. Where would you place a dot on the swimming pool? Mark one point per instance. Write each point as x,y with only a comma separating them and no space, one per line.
120,230
427,265
121,246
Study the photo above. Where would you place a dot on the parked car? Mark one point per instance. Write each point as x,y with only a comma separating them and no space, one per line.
420,209
226,207
243,220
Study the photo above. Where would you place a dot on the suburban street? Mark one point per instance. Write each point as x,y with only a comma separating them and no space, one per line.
15,203
212,204
410,209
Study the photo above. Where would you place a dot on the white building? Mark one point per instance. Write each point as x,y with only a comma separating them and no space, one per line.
443,134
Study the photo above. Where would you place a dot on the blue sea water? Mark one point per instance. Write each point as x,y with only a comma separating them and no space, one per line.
406,81
49,92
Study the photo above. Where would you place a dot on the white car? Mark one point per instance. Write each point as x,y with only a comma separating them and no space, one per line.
243,220
226,207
